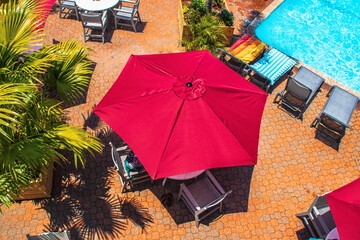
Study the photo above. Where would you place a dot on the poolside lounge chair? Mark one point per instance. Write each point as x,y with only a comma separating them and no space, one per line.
203,197
50,236
336,114
245,51
318,218
265,68
273,68
127,178
300,91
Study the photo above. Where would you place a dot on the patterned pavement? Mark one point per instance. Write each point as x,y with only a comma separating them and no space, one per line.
293,167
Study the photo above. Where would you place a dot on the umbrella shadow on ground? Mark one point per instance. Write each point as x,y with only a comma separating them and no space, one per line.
303,234
82,203
237,179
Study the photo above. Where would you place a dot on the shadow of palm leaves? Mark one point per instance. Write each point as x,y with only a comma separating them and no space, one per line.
133,210
106,224
81,200
82,203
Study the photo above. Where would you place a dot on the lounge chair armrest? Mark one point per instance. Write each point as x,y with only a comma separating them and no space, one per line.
218,200
279,94
214,181
189,196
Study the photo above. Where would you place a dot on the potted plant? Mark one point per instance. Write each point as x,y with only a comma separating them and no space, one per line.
33,128
192,11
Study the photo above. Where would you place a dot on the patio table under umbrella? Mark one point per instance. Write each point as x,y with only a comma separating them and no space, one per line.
344,204
183,112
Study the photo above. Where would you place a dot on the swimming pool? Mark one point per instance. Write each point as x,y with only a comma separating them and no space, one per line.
324,34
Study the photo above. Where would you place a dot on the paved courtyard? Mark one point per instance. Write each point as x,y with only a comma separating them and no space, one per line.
293,166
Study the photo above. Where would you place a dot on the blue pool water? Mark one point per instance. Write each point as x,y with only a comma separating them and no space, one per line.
324,34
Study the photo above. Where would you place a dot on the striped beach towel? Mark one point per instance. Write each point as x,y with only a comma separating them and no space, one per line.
247,48
273,65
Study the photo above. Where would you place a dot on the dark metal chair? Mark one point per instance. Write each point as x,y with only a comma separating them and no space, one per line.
134,177
94,21
318,218
203,197
234,63
127,11
50,236
300,91
336,114
68,8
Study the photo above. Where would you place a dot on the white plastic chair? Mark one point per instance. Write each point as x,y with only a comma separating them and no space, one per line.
50,236
118,156
70,6
128,12
94,20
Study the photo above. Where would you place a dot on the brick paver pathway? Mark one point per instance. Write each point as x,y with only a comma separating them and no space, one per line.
293,167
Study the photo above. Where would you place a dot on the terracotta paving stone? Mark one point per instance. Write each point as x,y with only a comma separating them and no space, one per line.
293,167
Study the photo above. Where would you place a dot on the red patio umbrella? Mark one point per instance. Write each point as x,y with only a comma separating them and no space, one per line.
43,8
344,204
182,112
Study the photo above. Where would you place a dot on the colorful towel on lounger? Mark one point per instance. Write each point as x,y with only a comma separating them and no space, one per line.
273,65
247,48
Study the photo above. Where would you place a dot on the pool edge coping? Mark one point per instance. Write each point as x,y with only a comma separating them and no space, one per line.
263,15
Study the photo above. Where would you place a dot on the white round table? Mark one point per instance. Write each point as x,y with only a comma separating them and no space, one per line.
96,5
333,234
184,176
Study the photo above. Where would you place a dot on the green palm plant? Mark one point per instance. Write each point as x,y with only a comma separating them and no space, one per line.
207,34
33,126
18,34
70,75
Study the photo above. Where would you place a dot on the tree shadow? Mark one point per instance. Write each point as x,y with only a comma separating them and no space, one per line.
135,212
82,202
91,120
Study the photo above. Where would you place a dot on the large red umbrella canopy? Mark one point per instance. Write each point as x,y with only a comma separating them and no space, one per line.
182,112
344,204
43,10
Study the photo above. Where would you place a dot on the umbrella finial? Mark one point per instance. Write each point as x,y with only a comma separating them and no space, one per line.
189,84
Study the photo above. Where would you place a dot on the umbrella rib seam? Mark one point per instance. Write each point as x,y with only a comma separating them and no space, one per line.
167,142
128,100
153,66
228,130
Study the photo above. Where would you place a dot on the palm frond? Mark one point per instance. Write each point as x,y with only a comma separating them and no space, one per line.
12,95
70,76
76,140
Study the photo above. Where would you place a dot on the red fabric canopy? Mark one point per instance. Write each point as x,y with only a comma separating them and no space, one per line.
345,207
44,7
183,112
